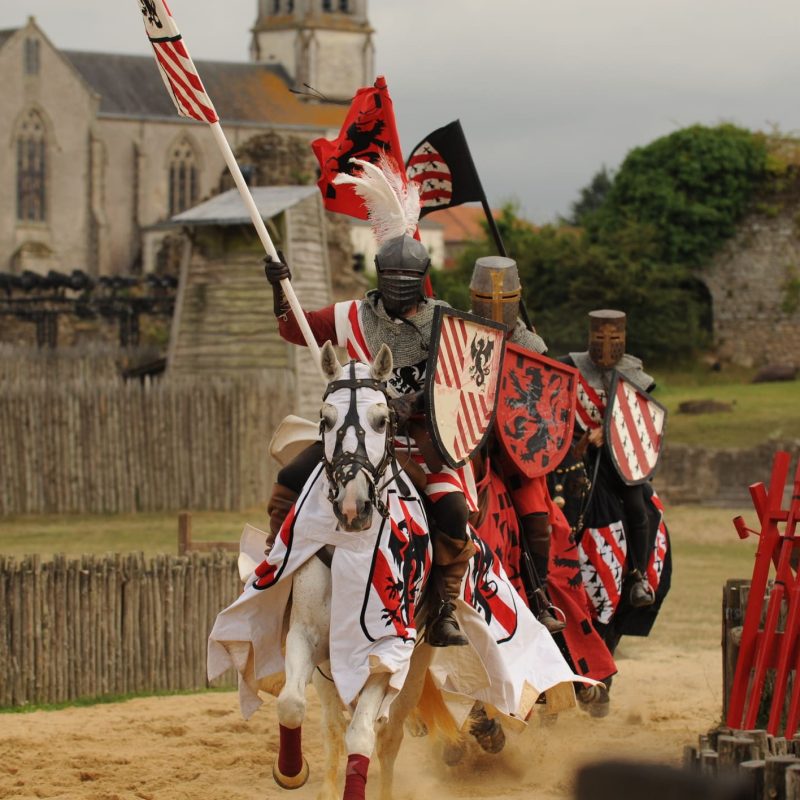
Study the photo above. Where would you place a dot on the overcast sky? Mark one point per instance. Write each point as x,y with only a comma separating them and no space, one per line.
547,92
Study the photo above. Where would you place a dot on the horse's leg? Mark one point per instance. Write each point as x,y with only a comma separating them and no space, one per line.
333,727
306,646
390,733
360,736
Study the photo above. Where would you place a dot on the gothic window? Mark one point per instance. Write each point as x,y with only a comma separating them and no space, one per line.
276,6
31,56
344,6
327,5
182,177
31,165
290,6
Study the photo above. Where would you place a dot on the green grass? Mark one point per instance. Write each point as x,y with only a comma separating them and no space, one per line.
117,533
761,411
83,702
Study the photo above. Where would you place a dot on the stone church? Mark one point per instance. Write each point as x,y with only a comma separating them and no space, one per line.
96,158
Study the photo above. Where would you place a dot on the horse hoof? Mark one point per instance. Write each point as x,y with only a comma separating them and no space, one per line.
487,732
595,700
453,753
290,781
492,738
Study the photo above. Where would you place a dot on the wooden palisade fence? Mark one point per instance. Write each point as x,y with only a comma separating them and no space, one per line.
111,446
111,625
768,766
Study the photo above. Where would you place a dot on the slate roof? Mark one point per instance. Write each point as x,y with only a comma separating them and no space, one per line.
131,86
228,208
6,34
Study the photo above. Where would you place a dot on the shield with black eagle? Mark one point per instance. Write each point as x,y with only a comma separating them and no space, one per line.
536,410
461,382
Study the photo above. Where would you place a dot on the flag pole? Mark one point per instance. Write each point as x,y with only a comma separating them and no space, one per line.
492,222
261,229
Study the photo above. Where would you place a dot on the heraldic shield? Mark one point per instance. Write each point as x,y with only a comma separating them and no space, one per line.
633,430
461,382
536,410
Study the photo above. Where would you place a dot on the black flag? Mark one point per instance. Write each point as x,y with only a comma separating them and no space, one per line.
442,166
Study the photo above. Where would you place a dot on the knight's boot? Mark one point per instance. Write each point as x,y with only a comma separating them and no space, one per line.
278,507
451,558
641,593
536,530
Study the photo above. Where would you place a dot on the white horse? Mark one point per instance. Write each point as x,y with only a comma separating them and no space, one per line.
353,612
357,429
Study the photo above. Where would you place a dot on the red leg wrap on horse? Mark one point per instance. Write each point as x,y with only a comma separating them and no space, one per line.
355,782
290,751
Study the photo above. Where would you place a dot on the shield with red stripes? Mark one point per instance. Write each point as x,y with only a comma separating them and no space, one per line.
461,382
634,430
536,411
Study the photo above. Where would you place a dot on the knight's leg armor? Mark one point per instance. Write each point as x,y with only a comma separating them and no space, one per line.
637,527
452,551
536,530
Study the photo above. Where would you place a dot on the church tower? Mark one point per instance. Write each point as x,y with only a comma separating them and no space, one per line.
324,43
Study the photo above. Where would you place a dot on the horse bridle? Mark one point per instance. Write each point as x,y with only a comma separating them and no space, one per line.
343,467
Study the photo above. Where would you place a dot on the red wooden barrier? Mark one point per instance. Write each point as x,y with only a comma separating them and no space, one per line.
768,648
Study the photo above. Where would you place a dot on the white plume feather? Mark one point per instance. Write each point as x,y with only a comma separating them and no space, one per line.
393,206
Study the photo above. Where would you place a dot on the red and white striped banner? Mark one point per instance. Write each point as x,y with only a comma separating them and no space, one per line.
175,64
462,382
427,167
634,431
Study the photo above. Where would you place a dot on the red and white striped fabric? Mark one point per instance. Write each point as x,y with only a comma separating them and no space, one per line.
659,554
635,432
590,406
465,383
427,167
175,64
602,555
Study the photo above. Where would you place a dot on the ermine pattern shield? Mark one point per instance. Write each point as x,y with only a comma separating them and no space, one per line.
462,378
536,410
634,430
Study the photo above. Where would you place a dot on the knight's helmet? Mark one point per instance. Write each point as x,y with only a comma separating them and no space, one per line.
401,263
393,207
495,289
606,337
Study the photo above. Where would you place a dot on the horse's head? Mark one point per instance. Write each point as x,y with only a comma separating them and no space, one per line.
357,429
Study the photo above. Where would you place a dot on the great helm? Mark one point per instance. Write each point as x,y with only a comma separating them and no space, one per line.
606,337
401,263
495,289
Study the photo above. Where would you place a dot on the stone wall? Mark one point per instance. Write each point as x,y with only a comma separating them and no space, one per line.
755,288
719,477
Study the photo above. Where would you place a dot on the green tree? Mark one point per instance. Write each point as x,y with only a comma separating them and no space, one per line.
565,274
591,199
690,187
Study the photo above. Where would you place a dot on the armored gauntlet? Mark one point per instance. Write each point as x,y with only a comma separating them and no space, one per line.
276,271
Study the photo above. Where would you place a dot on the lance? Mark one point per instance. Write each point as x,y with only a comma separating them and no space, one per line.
189,96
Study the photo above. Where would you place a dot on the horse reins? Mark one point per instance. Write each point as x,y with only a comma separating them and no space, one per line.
344,467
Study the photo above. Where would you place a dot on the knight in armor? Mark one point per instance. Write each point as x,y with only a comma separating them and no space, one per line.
399,314
606,353
495,292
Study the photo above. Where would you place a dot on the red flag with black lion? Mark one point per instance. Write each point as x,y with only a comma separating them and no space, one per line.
369,131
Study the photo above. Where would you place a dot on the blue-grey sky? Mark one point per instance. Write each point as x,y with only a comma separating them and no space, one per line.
547,92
